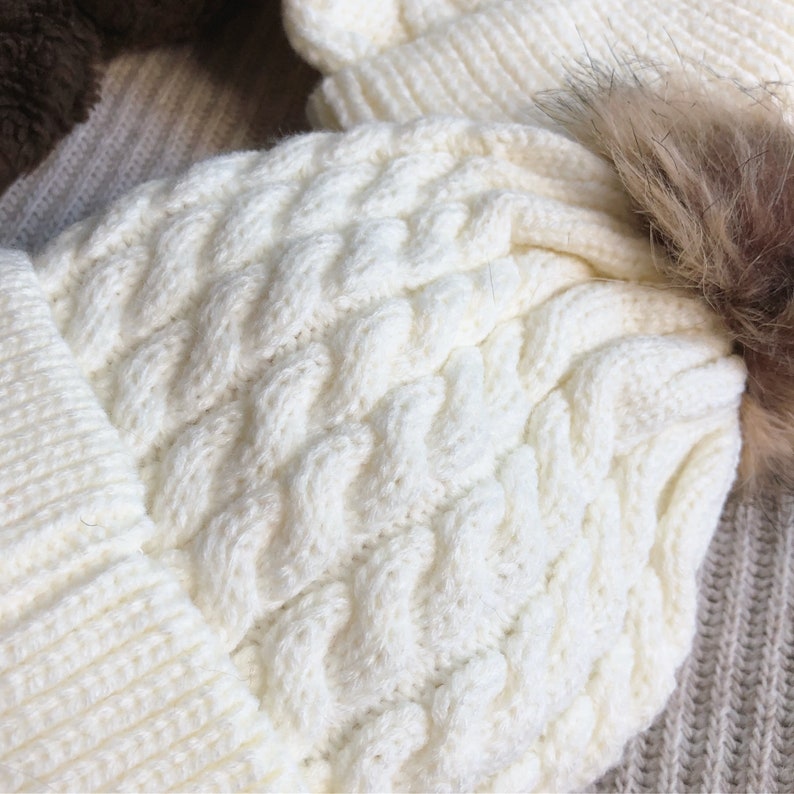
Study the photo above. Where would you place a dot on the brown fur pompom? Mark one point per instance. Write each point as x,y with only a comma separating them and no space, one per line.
709,166
48,79
147,23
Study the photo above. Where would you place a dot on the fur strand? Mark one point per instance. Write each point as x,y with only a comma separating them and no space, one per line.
708,166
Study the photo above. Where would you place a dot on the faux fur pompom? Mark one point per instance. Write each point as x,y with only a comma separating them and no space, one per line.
709,166
48,79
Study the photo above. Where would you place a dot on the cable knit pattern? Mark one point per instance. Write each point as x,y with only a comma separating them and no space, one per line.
422,437
486,60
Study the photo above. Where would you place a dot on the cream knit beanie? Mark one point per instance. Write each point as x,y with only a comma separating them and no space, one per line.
380,461
484,59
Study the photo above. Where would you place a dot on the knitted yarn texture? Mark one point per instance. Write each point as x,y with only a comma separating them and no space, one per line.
414,424
485,59
110,679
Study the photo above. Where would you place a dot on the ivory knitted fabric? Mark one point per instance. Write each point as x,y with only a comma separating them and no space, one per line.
408,415
484,59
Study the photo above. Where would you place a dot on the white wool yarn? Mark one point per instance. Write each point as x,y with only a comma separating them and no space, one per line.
423,437
402,59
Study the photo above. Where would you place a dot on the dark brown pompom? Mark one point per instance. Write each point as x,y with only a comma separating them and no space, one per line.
146,23
709,166
48,79
51,53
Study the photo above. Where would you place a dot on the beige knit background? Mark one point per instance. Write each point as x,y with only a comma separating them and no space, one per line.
730,724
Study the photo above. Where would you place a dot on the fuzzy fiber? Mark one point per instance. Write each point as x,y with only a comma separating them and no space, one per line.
51,55
48,79
145,23
708,165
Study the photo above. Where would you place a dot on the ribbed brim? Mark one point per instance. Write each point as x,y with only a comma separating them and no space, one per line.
489,64
109,677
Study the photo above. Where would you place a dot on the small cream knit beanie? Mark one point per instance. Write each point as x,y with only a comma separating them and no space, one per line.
380,461
484,59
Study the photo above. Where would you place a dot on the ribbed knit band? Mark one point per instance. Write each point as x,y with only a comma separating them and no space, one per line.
109,677
488,63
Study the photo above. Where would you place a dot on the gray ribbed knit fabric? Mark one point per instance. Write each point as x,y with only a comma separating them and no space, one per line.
730,724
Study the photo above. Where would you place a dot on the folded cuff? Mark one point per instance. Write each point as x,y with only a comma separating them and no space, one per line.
109,677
